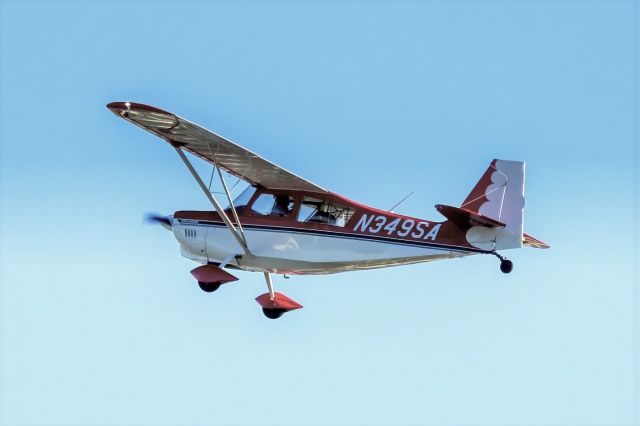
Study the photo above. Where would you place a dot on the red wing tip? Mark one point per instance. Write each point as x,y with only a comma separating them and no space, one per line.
119,107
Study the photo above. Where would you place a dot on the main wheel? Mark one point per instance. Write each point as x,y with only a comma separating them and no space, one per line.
273,313
506,266
208,287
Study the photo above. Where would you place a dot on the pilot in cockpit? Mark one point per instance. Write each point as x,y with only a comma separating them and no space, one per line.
282,206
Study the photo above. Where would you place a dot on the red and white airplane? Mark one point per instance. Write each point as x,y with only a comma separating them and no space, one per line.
284,224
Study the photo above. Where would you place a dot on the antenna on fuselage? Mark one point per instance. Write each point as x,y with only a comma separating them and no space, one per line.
400,202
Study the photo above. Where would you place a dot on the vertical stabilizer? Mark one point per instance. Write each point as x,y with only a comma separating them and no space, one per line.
499,194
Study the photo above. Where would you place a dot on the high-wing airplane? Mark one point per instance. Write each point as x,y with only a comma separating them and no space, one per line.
284,224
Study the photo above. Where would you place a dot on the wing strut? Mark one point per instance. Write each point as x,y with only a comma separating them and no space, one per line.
233,208
272,294
234,231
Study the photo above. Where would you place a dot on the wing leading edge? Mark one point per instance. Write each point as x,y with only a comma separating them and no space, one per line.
211,147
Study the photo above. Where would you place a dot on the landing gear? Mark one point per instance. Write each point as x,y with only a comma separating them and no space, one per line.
209,287
273,313
275,304
210,277
506,265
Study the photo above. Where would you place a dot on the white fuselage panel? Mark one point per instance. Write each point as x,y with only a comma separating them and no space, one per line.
299,251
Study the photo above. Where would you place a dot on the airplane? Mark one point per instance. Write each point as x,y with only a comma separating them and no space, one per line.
283,224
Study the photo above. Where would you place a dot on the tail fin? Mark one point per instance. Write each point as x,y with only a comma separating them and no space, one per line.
499,194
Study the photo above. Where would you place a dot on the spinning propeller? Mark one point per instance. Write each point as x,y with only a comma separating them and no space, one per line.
158,219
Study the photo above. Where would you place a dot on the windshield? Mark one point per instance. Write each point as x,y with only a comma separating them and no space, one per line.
243,198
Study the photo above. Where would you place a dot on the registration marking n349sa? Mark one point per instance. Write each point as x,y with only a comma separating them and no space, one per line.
397,227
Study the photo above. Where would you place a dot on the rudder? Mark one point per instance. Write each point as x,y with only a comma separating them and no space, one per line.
499,194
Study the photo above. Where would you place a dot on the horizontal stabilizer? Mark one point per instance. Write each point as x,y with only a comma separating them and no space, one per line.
529,241
465,219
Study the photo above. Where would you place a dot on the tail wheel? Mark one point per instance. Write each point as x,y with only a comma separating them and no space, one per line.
209,287
506,266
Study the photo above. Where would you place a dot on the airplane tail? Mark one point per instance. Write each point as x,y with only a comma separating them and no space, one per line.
498,195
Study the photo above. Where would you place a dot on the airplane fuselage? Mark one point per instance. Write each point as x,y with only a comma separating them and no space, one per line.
366,238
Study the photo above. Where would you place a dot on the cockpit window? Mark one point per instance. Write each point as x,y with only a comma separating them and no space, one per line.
283,206
244,197
273,205
314,210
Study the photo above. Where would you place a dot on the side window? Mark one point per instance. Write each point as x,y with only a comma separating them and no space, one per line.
263,204
343,214
308,209
273,205
314,210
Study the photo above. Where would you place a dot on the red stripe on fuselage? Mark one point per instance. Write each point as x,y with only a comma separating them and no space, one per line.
365,221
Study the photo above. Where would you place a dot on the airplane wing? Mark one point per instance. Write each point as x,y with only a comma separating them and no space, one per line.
212,148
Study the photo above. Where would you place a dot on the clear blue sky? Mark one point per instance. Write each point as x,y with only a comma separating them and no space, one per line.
101,322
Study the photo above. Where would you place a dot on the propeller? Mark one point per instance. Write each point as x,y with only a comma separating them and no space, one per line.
158,219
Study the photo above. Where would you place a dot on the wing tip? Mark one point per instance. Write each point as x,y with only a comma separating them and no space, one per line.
120,108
